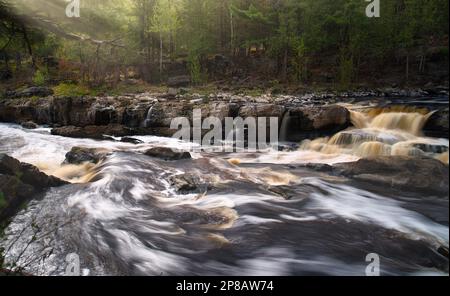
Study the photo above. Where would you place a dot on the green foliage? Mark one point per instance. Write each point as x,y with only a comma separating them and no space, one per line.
70,90
195,69
40,77
294,34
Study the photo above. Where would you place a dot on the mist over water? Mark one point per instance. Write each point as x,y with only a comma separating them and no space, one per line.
124,217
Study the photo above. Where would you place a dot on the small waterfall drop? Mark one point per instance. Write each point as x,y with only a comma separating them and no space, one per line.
148,118
383,132
285,122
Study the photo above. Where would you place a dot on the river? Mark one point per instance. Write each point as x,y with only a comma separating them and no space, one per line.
124,217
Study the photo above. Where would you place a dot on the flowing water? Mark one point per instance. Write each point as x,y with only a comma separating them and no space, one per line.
265,213
393,131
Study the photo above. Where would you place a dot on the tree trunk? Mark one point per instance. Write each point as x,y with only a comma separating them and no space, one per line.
407,67
28,44
160,55
285,62
231,33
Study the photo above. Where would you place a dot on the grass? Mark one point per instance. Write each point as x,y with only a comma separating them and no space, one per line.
66,89
70,90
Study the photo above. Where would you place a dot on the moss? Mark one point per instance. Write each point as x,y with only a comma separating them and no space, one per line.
70,90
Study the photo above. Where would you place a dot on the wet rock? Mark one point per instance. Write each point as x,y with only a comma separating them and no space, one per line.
431,148
320,118
19,182
309,122
131,140
443,250
400,172
29,125
437,125
167,153
93,131
189,183
135,115
37,91
79,155
13,193
284,191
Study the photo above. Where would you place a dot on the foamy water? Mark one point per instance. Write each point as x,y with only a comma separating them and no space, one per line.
129,219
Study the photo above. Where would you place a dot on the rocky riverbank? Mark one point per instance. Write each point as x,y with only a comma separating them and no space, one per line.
19,183
310,115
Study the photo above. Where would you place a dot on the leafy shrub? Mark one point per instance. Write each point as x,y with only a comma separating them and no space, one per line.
195,69
40,77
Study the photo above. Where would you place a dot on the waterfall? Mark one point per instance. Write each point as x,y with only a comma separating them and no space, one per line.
285,126
148,118
381,132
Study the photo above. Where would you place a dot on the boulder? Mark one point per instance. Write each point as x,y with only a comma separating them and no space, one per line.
401,172
322,117
167,153
301,123
131,140
93,131
179,81
29,125
36,91
79,155
189,183
437,125
19,182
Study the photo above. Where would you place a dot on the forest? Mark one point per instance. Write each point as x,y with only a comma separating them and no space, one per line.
224,138
264,42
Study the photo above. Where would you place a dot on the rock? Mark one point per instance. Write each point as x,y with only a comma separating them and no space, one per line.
167,153
261,110
286,192
131,140
36,91
172,92
188,183
437,125
79,155
431,148
29,125
13,193
19,182
320,118
443,250
401,172
179,81
93,131
310,122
